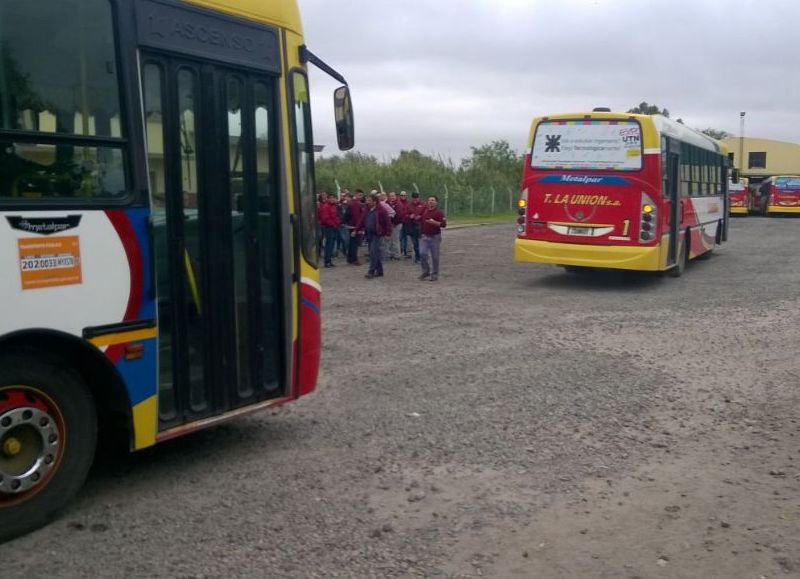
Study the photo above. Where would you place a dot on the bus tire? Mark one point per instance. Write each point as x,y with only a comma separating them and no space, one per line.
680,267
48,435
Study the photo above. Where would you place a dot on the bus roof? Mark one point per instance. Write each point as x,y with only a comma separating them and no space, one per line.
281,13
782,177
661,124
686,134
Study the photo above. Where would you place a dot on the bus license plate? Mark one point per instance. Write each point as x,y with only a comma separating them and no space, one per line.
580,230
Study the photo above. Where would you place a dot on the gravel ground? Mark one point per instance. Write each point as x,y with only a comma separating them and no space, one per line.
510,420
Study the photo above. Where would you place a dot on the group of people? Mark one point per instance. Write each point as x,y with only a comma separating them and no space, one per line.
391,225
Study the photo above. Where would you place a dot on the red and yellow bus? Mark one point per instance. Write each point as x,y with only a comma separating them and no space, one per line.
777,195
739,196
620,191
158,261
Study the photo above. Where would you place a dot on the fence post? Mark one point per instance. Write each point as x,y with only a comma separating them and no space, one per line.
446,197
471,200
381,186
494,193
338,190
417,188
510,200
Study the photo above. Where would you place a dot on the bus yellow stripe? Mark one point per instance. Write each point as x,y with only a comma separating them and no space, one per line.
145,423
192,281
122,337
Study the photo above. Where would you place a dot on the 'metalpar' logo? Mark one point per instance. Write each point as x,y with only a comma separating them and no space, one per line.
584,179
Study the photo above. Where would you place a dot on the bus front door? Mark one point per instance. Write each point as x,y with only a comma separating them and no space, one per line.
675,213
213,179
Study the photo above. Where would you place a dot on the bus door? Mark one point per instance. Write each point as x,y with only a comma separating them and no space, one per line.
213,177
672,193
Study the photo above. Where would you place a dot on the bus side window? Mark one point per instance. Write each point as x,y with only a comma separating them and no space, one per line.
685,177
304,166
73,93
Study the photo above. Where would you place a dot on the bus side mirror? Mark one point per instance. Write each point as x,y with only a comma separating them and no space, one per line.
343,109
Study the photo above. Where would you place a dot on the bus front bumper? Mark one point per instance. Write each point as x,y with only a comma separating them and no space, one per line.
783,209
603,256
739,211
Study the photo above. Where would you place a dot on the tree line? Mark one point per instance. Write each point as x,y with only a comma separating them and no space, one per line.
492,172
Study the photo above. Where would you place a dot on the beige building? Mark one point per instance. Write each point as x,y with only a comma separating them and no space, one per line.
763,157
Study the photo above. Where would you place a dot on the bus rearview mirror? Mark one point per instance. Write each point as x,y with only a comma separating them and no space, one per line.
343,109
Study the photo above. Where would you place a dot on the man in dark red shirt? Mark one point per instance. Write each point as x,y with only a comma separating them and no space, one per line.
352,218
413,217
402,200
377,225
397,224
432,221
329,220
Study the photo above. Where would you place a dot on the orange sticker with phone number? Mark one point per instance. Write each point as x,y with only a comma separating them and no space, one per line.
50,262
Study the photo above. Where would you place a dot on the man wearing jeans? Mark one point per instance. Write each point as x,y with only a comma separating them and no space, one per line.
414,215
431,224
402,201
376,225
329,220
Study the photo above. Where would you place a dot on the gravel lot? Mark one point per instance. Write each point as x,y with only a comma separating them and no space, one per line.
509,420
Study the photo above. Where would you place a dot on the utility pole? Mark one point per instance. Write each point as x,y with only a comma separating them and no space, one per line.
741,143
494,193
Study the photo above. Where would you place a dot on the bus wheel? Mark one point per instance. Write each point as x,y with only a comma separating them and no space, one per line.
680,267
48,434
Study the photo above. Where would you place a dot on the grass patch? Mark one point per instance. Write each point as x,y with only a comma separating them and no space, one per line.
482,218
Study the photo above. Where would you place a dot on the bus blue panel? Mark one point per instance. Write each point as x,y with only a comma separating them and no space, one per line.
140,375
139,220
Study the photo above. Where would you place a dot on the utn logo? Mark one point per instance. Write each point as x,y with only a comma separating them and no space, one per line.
552,144
631,136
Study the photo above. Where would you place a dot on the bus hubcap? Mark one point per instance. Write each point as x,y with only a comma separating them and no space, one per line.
29,443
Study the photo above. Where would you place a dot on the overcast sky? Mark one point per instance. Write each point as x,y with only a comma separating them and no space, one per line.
443,75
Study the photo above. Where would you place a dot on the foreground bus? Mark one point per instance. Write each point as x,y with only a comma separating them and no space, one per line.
158,268
620,191
777,195
739,196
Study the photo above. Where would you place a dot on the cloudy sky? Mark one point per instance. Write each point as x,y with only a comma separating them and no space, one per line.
442,75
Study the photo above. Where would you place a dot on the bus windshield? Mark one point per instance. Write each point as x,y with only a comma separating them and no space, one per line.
593,145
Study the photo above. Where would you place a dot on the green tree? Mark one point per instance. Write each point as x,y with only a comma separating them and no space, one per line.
352,170
644,108
413,170
718,134
496,159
